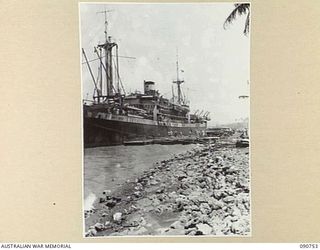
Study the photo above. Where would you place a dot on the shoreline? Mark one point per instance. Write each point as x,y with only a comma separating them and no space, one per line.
204,191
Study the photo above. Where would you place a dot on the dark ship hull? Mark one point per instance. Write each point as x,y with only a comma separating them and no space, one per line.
117,129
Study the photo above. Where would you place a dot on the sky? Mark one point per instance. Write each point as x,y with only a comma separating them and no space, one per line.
215,61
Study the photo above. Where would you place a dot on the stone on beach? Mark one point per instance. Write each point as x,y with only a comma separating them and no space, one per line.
99,226
137,194
205,229
102,199
160,190
91,232
229,199
218,159
106,192
153,182
117,217
111,204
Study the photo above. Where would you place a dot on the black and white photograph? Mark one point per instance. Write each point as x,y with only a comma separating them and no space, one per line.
166,109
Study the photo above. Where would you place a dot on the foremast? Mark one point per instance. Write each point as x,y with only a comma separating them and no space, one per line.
109,69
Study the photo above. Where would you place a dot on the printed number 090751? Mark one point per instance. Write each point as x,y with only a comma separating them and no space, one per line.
308,245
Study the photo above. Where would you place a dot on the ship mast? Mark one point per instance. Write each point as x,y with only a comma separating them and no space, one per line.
178,81
108,46
109,89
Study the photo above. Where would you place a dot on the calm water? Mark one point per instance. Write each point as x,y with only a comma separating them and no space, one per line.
109,167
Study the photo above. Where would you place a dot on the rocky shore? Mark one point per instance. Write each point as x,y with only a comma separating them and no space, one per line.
205,191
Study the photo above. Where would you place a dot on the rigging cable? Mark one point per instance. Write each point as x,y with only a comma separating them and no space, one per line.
119,78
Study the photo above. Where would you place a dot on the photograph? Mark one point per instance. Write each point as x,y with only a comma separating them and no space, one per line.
165,119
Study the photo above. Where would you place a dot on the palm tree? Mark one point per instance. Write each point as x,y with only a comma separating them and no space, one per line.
240,9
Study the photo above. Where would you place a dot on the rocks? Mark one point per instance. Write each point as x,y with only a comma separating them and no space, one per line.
242,182
99,226
239,227
111,203
204,229
135,220
138,187
194,208
106,192
194,196
182,201
232,170
133,207
210,165
215,204
191,223
101,200
205,192
203,185
137,194
117,199
230,178
153,182
218,160
156,202
173,195
180,175
160,190
91,232
117,217
218,194
236,212
205,208
228,199
191,232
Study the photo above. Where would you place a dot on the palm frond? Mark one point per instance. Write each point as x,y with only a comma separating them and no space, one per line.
230,18
247,25
240,9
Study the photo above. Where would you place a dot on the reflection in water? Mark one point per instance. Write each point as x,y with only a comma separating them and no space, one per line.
109,167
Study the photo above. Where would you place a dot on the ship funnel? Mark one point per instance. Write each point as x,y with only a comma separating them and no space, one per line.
149,88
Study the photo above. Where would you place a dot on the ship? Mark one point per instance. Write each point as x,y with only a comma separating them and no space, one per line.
114,117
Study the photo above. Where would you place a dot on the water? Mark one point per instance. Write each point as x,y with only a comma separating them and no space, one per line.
109,167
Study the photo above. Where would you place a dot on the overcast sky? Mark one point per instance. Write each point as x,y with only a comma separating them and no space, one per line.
216,62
